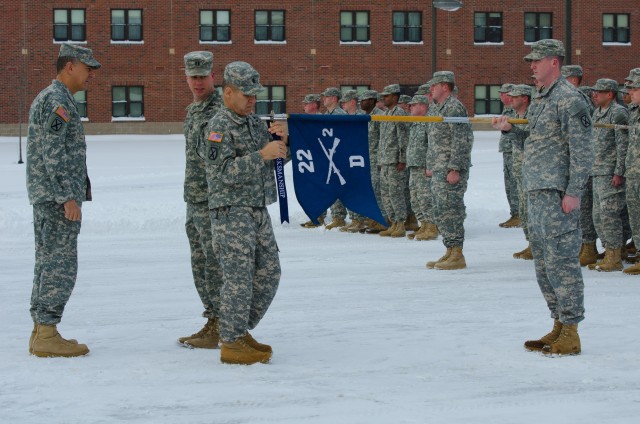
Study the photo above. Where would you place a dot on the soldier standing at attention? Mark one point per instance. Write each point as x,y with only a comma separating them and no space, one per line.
632,168
505,148
557,161
403,103
207,275
57,184
241,182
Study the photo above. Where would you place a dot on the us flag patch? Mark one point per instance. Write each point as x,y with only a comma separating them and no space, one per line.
215,137
62,113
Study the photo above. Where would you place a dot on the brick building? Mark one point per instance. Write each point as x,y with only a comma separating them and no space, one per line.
299,47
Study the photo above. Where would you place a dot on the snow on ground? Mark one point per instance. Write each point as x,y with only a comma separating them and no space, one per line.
362,332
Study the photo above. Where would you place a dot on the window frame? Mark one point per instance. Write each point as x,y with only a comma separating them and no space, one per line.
354,27
538,27
70,25
214,26
126,38
406,27
269,101
269,26
487,100
616,28
488,28
83,104
128,102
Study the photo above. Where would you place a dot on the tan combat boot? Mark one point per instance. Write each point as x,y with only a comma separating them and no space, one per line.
240,352
335,223
546,340
345,227
248,338
633,269
512,222
525,254
399,230
310,224
49,343
357,226
207,338
411,223
567,343
588,254
422,229
454,261
429,233
388,231
611,262
444,257
33,336
375,228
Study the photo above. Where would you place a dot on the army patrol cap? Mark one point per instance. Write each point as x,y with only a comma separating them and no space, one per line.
348,95
419,99
331,91
243,76
634,83
311,98
605,84
368,94
423,89
379,97
391,89
586,89
442,76
571,71
404,99
623,89
635,72
198,64
506,88
83,54
544,48
521,90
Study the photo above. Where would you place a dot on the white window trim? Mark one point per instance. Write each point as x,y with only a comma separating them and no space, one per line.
411,43
488,44
609,43
215,42
269,42
84,119
126,42
69,42
355,43
127,119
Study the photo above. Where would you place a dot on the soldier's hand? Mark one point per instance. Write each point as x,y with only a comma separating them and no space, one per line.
501,123
275,149
72,211
281,129
569,203
617,180
453,177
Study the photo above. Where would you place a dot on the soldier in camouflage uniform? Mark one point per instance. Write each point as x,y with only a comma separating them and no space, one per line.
557,160
588,250
632,164
510,188
403,103
57,185
206,272
610,148
240,176
311,105
448,164
330,98
394,137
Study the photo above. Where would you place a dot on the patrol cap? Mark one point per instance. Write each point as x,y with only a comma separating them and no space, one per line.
379,97
632,74
404,98
634,83
368,94
588,90
506,88
544,48
605,84
521,90
198,63
623,89
349,95
243,76
331,91
571,71
311,98
419,99
391,89
83,54
423,89
442,76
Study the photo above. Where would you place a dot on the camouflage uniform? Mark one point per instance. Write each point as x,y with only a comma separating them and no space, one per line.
337,209
557,161
374,140
241,186
417,164
392,151
349,95
449,149
504,147
632,169
610,148
56,174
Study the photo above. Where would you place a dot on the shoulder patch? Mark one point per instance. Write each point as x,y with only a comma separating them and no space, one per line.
585,120
215,137
62,113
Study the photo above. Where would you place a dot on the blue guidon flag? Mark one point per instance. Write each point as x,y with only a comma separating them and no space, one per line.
330,155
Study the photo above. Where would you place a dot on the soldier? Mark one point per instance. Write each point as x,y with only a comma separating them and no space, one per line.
632,165
394,137
311,105
557,162
207,275
403,103
448,164
610,148
626,97
380,103
504,147
57,184
330,98
240,173
368,100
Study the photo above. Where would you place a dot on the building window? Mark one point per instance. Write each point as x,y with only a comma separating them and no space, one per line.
126,25
615,28
272,98
69,25
488,27
407,27
215,25
409,89
81,103
270,25
358,88
537,26
354,27
127,102
487,100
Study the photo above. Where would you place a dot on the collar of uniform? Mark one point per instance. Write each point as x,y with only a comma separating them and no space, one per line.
199,106
546,90
240,120
604,112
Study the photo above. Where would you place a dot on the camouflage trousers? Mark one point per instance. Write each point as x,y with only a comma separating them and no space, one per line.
407,195
248,254
420,186
608,207
56,262
207,275
522,195
338,210
449,210
510,185
375,182
632,188
589,234
392,191
555,244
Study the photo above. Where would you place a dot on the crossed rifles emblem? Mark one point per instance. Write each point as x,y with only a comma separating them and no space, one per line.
332,166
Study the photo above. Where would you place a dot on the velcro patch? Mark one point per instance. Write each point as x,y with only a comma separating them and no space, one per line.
585,120
213,153
62,113
215,137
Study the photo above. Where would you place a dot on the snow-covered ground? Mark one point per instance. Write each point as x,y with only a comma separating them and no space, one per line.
362,332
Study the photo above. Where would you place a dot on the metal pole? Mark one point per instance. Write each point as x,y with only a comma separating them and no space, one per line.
433,38
567,31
